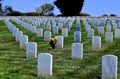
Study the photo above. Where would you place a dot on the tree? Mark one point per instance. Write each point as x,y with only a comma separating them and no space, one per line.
69,7
113,15
1,6
7,10
45,9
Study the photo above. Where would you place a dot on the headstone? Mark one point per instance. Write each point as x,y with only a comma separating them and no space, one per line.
55,30
90,33
18,35
42,25
100,30
48,27
114,26
96,43
65,32
15,30
77,50
31,50
77,36
39,32
68,27
60,41
109,37
47,36
108,21
109,67
117,33
33,29
45,62
77,28
23,41
108,28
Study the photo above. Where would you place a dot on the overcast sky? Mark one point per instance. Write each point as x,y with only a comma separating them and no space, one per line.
92,7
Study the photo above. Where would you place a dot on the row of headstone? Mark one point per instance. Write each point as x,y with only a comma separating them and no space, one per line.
47,37
31,47
39,31
77,33
109,62
27,26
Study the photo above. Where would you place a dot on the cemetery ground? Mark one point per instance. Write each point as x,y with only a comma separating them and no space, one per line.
14,65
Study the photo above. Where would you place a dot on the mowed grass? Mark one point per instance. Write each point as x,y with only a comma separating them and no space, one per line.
15,66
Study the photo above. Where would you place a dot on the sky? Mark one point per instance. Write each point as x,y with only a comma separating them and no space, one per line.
92,7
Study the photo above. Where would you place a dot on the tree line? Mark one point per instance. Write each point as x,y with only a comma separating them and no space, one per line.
66,8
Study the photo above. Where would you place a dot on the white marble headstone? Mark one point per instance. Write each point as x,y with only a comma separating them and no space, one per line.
109,37
33,29
65,32
114,26
96,43
47,36
23,41
45,61
55,30
39,32
18,35
77,51
77,36
15,30
31,50
60,41
48,27
90,33
100,30
109,67
108,28
117,33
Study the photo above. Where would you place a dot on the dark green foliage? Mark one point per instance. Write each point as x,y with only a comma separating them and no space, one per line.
113,15
84,14
69,7
31,14
15,13
105,15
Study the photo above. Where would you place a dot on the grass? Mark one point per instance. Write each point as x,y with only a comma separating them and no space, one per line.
15,66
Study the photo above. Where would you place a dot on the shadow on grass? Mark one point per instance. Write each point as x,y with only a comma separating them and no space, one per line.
33,74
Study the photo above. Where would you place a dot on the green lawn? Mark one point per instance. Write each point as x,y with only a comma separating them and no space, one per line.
15,66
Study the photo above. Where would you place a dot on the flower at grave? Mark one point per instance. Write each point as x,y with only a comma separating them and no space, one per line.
52,42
